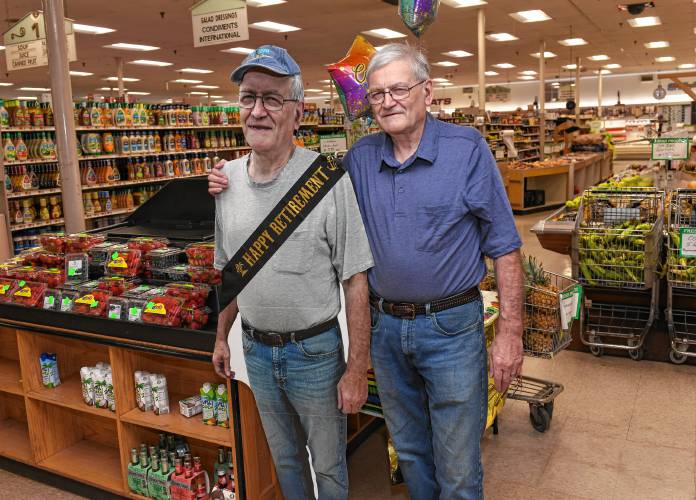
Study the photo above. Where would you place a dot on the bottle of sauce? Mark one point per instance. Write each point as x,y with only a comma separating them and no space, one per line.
48,115
9,151
108,143
4,115
21,151
95,116
119,115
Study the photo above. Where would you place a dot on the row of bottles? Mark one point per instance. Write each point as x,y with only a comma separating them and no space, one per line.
15,113
36,209
321,116
136,142
22,178
120,114
28,146
98,202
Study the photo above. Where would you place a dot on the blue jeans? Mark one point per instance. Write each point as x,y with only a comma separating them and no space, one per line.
295,387
432,381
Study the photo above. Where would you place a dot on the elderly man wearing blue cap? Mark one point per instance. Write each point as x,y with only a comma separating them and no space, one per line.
292,341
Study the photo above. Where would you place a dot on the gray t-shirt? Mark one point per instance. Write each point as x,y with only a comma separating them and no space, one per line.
299,286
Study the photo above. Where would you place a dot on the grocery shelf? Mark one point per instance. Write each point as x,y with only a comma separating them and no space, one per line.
32,225
35,192
10,376
88,462
111,213
14,440
27,162
160,153
118,184
159,127
176,423
69,395
28,129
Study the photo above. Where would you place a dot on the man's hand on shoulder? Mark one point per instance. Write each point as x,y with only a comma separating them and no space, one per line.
217,180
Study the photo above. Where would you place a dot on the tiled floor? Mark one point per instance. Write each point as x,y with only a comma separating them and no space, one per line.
620,430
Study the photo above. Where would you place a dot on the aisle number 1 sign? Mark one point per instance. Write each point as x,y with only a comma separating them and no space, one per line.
219,21
25,42
666,148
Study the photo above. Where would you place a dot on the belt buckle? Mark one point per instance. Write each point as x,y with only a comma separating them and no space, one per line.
409,307
276,339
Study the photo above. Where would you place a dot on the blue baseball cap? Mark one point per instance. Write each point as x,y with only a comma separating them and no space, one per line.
268,57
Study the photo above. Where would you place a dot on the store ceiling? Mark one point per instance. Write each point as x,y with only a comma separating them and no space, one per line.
329,26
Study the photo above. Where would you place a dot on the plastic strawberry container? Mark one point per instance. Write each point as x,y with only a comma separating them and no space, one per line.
7,267
99,254
117,308
53,242
7,288
51,300
48,259
67,300
177,273
26,273
92,304
76,267
201,254
147,244
53,277
208,275
195,318
31,256
116,285
161,258
163,310
123,263
135,309
82,242
28,294
193,294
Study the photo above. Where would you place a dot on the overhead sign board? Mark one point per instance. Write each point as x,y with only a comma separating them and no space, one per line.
219,21
25,42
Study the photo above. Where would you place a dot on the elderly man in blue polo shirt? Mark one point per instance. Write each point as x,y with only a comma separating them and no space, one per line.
434,205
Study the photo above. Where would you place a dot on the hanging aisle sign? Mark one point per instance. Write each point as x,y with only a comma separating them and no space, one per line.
25,42
669,149
219,21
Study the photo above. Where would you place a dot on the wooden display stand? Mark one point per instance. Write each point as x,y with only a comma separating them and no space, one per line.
53,429
552,180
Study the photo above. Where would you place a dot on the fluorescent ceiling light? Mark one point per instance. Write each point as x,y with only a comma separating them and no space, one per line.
206,86
528,72
218,101
504,65
2,47
6,84
35,89
602,72
440,80
384,33
555,84
273,27
91,30
612,66
642,22
125,79
656,45
131,46
185,80
80,73
501,37
464,3
113,89
25,98
458,53
525,77
490,73
238,50
138,93
147,62
681,66
446,84
445,63
599,57
313,90
530,16
324,81
194,70
573,42
547,55
570,66
216,96
664,59
198,93
263,3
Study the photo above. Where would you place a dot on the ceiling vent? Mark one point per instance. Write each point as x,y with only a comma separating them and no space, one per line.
647,78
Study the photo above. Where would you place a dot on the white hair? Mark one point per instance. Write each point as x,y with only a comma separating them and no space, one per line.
400,51
297,88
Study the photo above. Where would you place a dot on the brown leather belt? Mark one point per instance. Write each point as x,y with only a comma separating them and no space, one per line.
410,311
279,339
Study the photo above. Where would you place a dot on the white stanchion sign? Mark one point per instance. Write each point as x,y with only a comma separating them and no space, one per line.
25,42
219,21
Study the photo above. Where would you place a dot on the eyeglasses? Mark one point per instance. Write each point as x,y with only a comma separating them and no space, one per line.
272,102
398,93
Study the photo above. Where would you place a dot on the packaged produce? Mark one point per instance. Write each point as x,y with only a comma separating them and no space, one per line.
201,254
135,309
82,242
117,308
222,415
147,244
26,273
116,285
138,291
50,376
207,275
48,259
195,317
7,267
190,407
67,300
163,310
160,394
92,304
143,391
53,242
162,258
84,287
177,273
7,288
30,257
100,399
208,404
76,267
51,300
87,382
28,294
100,253
53,277
109,390
123,263
193,294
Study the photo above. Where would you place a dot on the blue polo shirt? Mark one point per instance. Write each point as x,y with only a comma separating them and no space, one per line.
431,219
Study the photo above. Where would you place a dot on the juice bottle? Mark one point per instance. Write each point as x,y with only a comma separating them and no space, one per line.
135,115
124,143
144,116
158,142
107,112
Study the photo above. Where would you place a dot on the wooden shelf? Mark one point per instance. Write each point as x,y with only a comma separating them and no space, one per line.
20,227
160,153
155,180
36,192
27,162
10,377
176,423
14,441
88,462
69,395
112,213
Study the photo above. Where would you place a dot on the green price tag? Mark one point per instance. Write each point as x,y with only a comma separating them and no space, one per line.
687,245
22,283
114,256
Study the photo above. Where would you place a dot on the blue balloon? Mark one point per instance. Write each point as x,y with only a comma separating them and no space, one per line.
417,15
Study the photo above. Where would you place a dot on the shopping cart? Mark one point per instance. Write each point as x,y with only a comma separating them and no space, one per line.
617,245
681,277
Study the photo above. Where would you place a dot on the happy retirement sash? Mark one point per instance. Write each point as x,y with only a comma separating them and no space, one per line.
276,228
